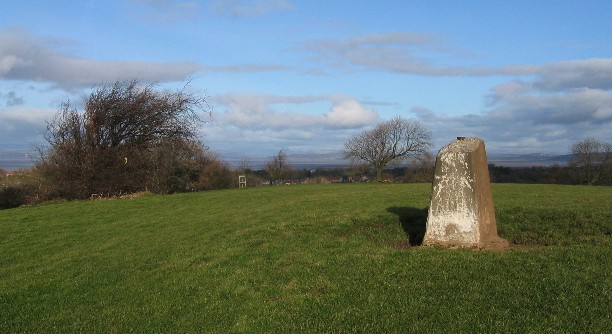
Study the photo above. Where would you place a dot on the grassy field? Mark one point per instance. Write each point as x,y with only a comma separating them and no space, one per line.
321,258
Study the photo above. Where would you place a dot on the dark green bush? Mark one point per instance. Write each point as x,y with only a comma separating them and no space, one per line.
17,190
11,197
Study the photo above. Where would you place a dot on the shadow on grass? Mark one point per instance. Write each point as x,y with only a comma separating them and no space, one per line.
413,221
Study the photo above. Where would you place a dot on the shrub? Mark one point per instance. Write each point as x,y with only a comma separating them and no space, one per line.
215,174
128,138
11,197
17,190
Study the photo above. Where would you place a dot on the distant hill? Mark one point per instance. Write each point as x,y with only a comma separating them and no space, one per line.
507,160
15,159
11,160
526,160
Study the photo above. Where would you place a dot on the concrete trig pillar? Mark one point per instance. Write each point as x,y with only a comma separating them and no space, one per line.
461,211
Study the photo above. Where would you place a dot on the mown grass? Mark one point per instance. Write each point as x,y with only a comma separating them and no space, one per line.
321,258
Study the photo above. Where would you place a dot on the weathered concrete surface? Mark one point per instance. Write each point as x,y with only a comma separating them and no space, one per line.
461,211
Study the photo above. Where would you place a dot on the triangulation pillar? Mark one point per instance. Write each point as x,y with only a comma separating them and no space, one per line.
461,211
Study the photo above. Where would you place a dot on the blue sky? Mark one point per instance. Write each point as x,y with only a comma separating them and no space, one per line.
526,76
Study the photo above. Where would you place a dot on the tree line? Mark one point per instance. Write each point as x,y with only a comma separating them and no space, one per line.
132,138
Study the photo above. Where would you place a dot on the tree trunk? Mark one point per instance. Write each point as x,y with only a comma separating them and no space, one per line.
379,171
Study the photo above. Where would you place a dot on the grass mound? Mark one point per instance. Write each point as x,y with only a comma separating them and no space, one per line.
321,258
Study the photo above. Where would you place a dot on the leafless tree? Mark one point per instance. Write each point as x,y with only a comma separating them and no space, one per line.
244,165
592,159
392,140
277,167
128,138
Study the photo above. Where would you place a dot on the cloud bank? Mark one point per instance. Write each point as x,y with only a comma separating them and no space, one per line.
28,58
540,107
521,117
258,111
411,53
249,122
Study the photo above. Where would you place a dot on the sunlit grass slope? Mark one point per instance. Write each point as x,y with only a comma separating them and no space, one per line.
324,258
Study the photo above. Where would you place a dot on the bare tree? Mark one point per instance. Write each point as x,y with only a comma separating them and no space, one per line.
128,138
592,159
393,140
277,167
244,165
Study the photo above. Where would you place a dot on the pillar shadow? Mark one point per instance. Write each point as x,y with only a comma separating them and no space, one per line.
413,221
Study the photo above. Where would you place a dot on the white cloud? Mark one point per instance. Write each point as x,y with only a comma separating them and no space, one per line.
243,141
261,111
7,62
528,104
249,122
255,111
590,73
34,117
603,113
423,113
25,57
349,113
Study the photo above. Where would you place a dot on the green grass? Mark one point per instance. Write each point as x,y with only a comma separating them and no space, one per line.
321,258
